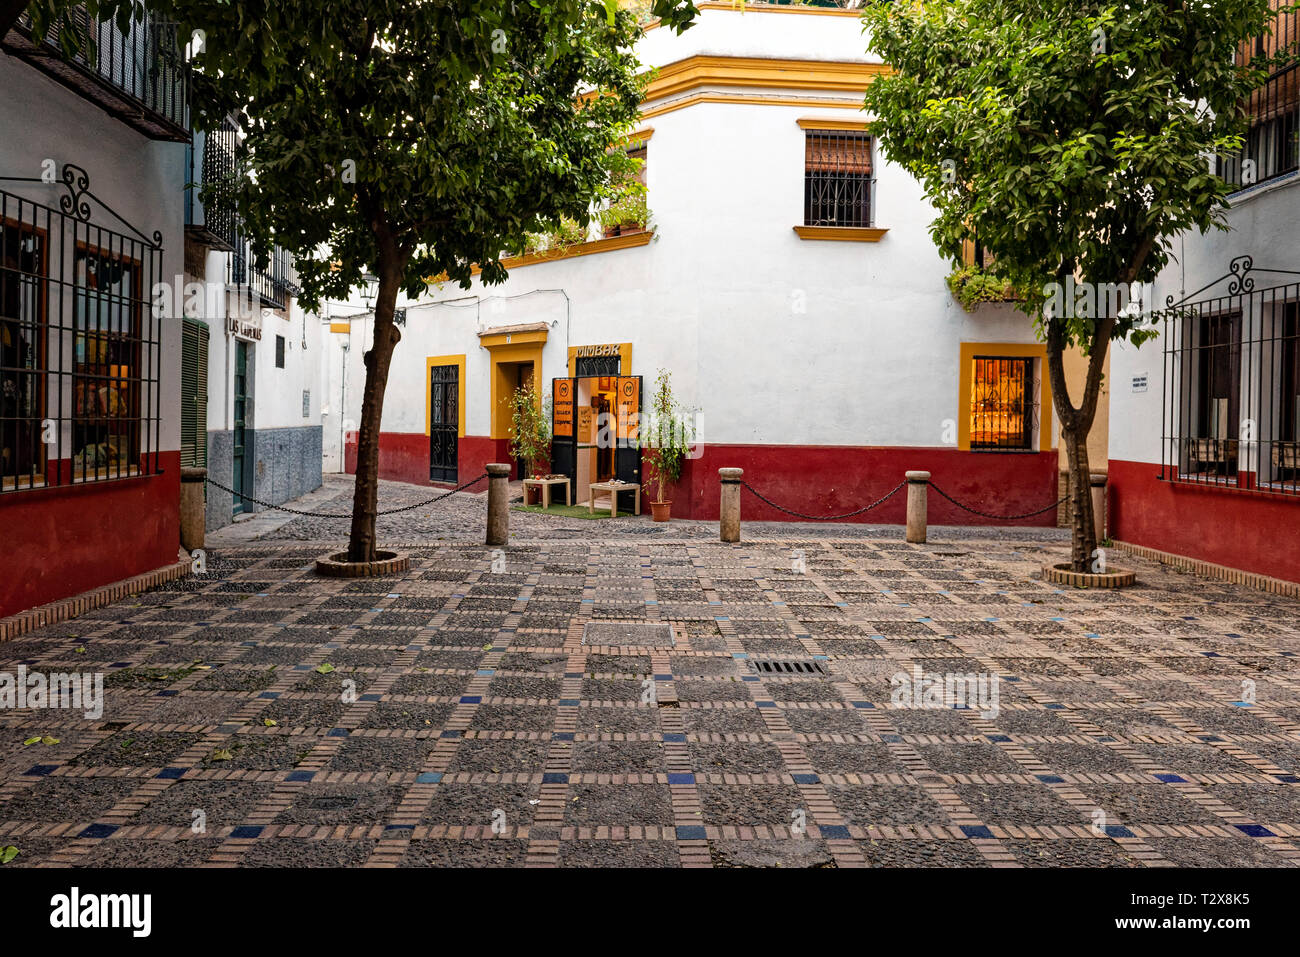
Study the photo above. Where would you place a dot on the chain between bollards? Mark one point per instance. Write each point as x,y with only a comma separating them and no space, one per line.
390,511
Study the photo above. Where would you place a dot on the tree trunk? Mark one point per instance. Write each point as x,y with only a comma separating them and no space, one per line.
1083,538
1076,424
361,542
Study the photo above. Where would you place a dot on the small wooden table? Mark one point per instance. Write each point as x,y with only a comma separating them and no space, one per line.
545,485
613,488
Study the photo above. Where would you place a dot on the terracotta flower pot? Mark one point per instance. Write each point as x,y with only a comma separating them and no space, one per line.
661,510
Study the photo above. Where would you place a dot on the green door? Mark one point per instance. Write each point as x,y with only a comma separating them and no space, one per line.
241,407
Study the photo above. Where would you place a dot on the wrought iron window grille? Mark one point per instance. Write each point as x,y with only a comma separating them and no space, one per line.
1230,407
839,184
80,338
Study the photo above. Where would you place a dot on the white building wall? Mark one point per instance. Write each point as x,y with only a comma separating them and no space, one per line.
1263,225
142,180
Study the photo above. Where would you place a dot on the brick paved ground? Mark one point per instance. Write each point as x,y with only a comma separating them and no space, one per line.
484,730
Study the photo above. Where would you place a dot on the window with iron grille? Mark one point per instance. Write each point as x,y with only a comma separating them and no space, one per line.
585,366
1231,406
1272,144
838,182
79,342
279,352
1002,403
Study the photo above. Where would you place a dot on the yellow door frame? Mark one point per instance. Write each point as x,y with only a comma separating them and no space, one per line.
1035,350
459,363
506,350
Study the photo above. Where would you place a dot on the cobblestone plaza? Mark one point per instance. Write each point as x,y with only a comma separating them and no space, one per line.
519,707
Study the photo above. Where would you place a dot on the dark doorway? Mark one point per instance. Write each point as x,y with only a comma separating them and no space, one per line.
444,423
241,422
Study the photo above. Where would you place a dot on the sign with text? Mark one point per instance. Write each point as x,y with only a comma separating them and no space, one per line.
629,406
562,408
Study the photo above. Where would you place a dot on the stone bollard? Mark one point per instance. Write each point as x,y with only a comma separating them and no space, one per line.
193,517
918,487
498,506
729,505
1097,483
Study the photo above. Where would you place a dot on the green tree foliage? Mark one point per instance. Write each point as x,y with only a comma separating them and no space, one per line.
413,140
530,428
1073,138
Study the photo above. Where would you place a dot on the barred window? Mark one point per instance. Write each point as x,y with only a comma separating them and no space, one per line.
838,183
79,341
22,352
1272,144
106,376
1002,403
1231,408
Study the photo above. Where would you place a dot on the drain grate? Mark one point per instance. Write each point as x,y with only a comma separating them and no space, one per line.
788,666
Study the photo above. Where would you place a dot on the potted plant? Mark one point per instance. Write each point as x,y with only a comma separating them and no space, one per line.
666,448
530,434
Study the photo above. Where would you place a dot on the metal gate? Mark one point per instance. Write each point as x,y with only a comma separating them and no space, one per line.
444,423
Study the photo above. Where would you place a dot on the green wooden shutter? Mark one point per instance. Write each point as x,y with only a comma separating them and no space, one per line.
194,393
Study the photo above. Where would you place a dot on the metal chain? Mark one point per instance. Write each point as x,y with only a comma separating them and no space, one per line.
823,518
391,511
1000,518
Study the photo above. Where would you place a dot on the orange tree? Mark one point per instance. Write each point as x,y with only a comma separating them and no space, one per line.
1071,137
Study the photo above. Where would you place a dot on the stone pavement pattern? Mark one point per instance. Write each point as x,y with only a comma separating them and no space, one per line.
484,731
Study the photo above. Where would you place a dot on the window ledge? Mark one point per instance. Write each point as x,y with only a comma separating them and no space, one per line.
625,241
849,234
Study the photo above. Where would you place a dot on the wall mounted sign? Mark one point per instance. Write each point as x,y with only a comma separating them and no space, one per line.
1140,382
586,415
247,328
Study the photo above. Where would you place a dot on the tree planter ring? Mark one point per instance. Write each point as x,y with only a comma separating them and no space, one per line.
1114,578
385,563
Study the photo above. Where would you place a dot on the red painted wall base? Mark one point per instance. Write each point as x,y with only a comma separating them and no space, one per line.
814,479
1255,532
62,541
404,457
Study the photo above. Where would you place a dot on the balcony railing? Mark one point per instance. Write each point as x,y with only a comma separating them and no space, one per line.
140,76
1272,147
272,282
212,172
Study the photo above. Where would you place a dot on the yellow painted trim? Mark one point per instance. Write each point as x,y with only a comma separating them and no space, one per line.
343,327
640,136
581,249
700,70
748,8
513,339
429,363
624,357
1037,350
752,100
850,234
813,123
501,354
